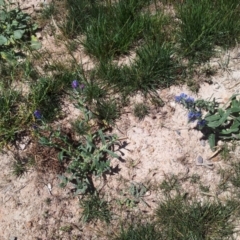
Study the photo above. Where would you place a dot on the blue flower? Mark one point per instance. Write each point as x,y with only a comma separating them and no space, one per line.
201,123
37,114
192,116
190,100
183,95
180,97
75,84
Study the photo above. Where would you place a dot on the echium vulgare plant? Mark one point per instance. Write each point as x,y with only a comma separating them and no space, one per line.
85,158
218,122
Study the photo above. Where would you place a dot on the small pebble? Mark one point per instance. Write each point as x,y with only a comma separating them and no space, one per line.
203,143
178,132
199,159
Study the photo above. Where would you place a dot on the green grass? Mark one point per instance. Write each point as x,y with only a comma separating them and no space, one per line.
140,232
184,219
206,23
95,208
140,110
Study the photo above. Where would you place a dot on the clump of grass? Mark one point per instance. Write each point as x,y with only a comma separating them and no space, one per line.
140,232
140,110
126,26
107,110
95,208
206,23
169,184
19,169
183,219
80,13
12,119
153,68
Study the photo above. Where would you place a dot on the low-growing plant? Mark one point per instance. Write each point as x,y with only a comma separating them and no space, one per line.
107,111
16,28
66,228
206,23
195,178
137,191
85,158
95,208
19,169
204,188
182,218
169,184
12,116
218,123
140,231
140,110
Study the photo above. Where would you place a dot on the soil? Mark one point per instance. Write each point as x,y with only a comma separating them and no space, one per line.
161,145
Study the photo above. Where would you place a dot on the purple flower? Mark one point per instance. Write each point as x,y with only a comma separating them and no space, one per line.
178,99
75,84
181,97
192,116
190,100
37,114
201,123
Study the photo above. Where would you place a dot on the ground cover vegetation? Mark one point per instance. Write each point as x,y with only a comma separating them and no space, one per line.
167,48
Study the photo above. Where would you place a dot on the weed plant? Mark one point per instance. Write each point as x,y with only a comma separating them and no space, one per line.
19,169
140,110
218,123
85,159
95,208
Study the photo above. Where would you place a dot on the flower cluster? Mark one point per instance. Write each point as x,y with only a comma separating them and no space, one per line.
193,113
75,85
183,98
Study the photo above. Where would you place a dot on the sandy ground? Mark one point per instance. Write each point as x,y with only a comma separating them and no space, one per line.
158,146
162,144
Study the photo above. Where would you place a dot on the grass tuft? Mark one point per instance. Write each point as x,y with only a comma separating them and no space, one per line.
184,219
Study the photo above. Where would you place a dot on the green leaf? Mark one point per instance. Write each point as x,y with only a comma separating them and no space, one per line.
111,153
3,40
212,141
2,2
235,110
235,124
35,44
18,34
221,121
8,56
101,136
212,118
231,130
3,15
